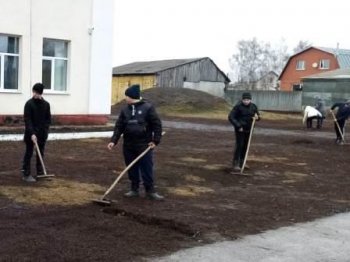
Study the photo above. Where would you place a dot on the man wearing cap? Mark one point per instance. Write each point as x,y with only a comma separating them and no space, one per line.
37,120
342,115
141,127
241,117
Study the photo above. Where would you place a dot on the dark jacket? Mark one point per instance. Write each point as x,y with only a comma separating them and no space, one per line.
242,116
343,112
37,118
320,105
140,125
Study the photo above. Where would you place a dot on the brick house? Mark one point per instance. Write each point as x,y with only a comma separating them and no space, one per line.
312,60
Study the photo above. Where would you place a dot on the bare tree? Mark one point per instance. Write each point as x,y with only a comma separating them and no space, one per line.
302,45
248,60
255,59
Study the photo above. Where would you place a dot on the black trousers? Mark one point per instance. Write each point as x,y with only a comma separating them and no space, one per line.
341,124
309,121
28,156
143,168
242,139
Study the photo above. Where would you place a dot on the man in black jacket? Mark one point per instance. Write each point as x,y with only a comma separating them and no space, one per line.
37,119
141,127
241,117
343,113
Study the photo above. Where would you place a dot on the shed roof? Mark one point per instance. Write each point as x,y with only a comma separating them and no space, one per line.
342,55
151,67
343,73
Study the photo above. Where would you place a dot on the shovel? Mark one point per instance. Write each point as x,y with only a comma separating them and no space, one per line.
45,175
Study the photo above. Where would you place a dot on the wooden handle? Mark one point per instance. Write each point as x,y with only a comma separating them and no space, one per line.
246,153
337,124
126,169
40,157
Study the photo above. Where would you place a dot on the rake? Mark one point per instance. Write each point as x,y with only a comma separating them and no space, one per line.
45,175
247,151
107,202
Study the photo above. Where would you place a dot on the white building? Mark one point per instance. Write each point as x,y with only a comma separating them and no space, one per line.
66,45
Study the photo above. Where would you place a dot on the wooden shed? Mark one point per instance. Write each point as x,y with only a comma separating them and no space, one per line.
196,73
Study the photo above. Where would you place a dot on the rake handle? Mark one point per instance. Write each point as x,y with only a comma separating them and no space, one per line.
250,138
337,124
40,157
125,170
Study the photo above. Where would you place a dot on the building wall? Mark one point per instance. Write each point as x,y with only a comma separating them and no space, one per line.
101,57
121,83
202,70
268,82
89,64
213,88
331,90
291,76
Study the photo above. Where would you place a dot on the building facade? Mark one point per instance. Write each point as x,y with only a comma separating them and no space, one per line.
332,86
312,60
66,45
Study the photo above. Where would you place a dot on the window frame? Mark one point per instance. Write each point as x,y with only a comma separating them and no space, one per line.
3,55
322,64
300,68
53,60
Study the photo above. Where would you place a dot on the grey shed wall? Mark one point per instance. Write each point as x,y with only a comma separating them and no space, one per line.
331,90
201,70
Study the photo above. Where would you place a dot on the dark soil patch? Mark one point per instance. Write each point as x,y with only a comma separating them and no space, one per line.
292,180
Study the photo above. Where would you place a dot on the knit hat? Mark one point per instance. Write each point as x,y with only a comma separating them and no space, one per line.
133,92
38,88
246,96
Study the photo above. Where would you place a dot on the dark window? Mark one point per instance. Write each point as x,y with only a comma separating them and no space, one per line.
297,87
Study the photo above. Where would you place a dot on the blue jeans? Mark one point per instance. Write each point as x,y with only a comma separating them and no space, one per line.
142,168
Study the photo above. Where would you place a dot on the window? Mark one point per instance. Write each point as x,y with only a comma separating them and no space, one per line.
55,64
324,64
297,87
9,62
300,65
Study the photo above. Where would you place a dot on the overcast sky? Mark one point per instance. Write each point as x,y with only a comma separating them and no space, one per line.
170,29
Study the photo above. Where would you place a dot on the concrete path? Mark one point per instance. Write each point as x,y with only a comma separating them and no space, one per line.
323,240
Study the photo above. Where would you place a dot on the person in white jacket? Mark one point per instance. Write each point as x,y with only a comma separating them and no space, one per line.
310,113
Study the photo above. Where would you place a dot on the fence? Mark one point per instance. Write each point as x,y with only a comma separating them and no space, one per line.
269,100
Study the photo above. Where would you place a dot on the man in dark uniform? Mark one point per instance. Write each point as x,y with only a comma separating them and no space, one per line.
343,113
241,117
37,119
141,128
